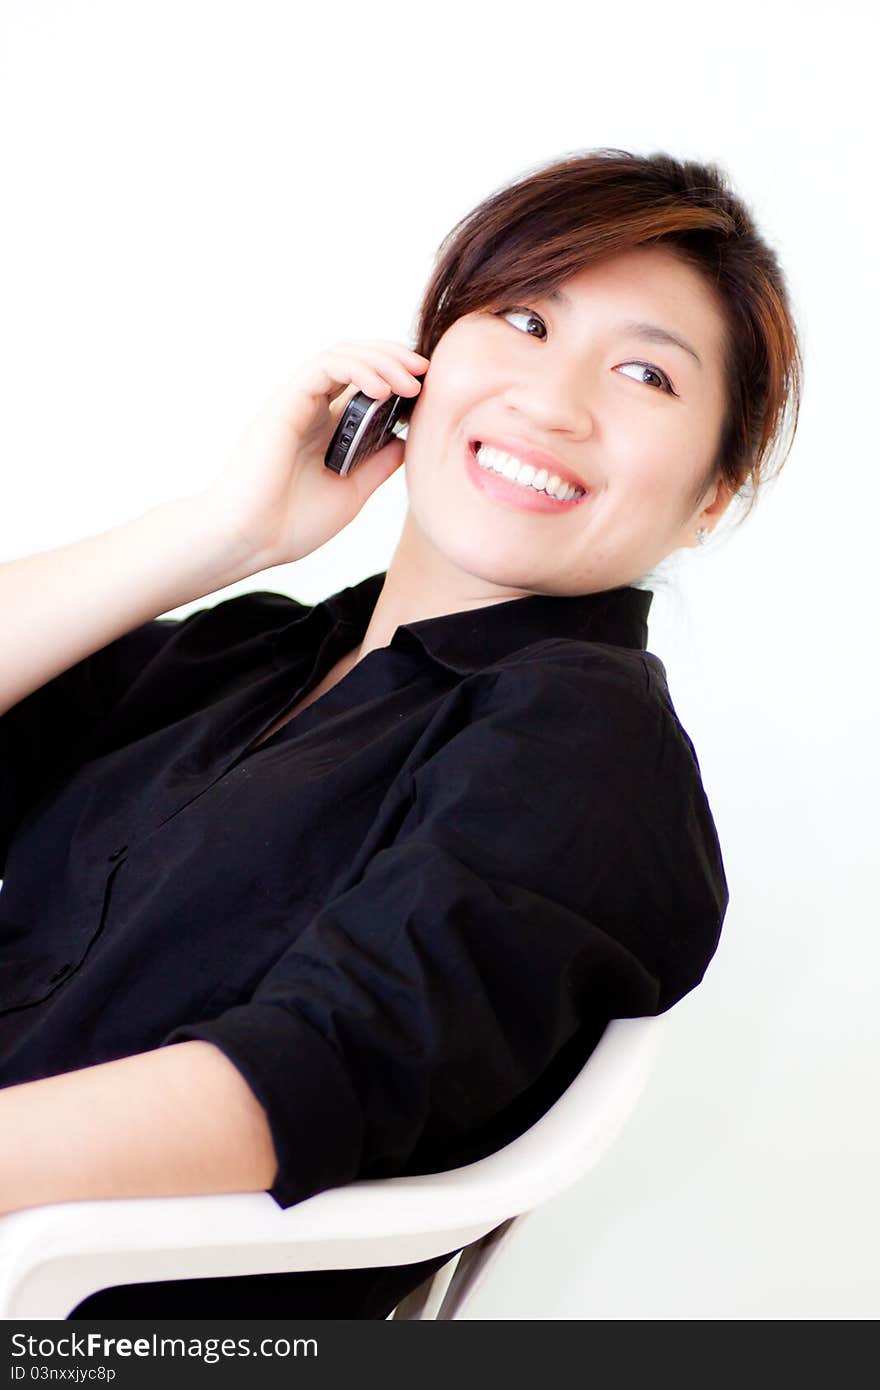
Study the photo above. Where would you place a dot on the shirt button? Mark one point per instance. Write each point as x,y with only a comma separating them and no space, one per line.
117,852
62,970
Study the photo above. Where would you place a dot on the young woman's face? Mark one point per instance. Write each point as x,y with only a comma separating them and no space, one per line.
569,378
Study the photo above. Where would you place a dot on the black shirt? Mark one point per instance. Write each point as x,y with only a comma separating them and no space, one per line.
407,916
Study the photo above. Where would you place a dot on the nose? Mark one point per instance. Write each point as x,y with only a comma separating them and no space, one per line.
554,399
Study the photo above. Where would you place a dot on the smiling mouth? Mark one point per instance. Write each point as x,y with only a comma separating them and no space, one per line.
537,481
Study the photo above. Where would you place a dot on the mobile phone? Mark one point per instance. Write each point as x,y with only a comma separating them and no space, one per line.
365,427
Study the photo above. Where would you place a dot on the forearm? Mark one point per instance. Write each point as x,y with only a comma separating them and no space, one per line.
180,1120
59,606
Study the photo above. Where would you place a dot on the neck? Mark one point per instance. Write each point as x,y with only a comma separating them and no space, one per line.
421,582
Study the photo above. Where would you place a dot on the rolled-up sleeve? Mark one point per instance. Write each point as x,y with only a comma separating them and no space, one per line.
557,864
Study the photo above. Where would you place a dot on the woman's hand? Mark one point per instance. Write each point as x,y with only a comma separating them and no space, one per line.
276,498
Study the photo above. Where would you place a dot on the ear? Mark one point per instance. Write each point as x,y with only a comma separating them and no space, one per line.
718,499
708,511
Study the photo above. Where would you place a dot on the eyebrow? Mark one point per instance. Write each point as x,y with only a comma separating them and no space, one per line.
650,332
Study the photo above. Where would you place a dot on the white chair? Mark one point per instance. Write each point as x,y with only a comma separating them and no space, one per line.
52,1257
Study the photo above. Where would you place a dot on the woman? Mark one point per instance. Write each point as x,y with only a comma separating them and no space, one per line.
352,890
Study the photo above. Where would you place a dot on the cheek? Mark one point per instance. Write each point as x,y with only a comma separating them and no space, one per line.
444,406
458,366
659,469
451,381
651,496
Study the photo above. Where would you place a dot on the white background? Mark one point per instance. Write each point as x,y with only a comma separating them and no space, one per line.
199,195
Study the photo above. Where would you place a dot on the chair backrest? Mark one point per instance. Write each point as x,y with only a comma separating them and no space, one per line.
53,1256
558,1150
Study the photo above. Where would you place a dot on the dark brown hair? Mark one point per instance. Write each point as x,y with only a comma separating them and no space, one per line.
531,235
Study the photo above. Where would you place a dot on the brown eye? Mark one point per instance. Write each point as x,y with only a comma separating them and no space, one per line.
526,313
665,383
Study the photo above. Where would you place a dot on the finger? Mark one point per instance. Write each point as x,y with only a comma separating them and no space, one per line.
400,350
391,369
330,373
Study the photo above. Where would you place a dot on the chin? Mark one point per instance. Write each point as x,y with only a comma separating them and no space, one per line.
504,572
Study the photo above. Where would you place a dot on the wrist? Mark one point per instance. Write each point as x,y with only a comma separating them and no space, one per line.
228,555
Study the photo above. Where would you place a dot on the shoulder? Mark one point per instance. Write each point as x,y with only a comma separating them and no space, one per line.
587,688
170,662
566,720
261,612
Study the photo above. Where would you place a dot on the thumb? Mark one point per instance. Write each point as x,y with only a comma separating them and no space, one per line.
376,469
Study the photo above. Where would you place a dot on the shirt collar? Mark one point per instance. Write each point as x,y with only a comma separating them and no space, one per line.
468,640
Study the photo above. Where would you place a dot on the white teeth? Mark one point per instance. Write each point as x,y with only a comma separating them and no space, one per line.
510,469
524,474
